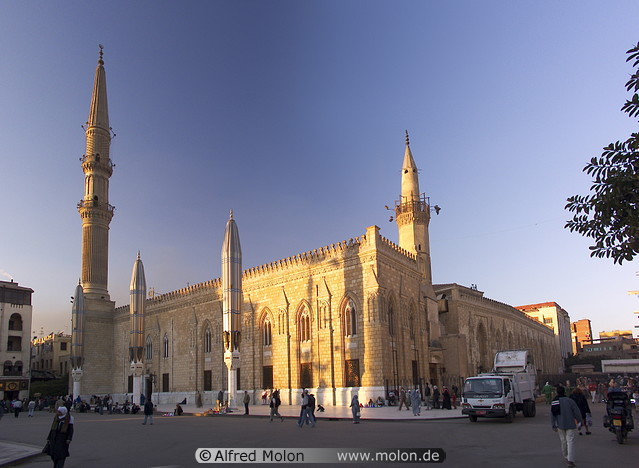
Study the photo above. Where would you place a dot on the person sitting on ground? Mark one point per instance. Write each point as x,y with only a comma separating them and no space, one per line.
380,401
178,410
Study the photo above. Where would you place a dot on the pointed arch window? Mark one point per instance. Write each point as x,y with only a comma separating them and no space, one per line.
207,340
350,319
149,348
166,345
391,320
305,327
411,327
268,333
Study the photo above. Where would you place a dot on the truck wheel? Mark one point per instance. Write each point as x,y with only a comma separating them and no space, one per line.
529,409
472,418
511,414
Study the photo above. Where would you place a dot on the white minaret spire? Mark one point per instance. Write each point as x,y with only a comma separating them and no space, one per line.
412,213
94,208
136,339
232,304
77,339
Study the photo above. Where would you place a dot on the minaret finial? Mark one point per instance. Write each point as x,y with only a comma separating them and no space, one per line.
100,61
231,215
138,255
407,140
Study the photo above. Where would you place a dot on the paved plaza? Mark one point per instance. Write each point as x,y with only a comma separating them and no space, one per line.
122,441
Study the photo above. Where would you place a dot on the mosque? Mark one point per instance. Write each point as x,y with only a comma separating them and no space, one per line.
359,316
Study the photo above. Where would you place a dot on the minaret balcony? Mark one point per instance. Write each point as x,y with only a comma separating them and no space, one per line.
406,205
93,162
82,204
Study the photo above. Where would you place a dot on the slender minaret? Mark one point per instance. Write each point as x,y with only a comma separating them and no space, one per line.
412,213
77,339
232,303
94,208
136,313
96,214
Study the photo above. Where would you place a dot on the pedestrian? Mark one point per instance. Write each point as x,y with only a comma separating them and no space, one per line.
415,400
427,396
435,397
354,406
303,405
264,396
446,396
310,410
592,389
220,400
564,413
402,399
17,407
246,400
582,403
31,407
148,412
60,437
547,391
274,404
1,409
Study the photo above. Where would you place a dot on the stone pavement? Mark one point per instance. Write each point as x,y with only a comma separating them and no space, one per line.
12,452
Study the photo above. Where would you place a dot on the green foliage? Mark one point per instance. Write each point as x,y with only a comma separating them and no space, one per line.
609,214
55,387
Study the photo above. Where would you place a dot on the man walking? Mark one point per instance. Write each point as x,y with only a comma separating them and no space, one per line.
17,407
275,404
564,416
148,412
402,399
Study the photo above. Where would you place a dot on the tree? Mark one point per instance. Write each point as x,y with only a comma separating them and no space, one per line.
609,214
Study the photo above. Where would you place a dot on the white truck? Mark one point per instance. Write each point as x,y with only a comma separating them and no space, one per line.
510,387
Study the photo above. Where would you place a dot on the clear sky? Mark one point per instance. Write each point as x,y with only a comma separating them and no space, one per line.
293,114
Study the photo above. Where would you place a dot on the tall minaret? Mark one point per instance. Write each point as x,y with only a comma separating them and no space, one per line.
232,304
77,339
412,213
136,340
95,211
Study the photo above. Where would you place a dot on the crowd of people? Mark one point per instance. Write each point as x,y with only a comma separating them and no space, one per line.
596,389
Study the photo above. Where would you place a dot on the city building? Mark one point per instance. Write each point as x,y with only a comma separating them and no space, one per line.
474,328
51,353
606,335
553,315
613,347
15,331
580,334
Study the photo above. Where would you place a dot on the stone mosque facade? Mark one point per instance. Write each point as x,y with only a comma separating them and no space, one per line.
359,316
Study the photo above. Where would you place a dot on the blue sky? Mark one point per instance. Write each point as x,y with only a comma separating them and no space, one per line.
293,115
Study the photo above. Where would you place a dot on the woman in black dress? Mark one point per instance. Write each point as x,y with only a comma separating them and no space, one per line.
582,402
60,437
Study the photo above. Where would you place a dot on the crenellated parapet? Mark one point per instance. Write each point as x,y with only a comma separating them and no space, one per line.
508,309
351,245
394,248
